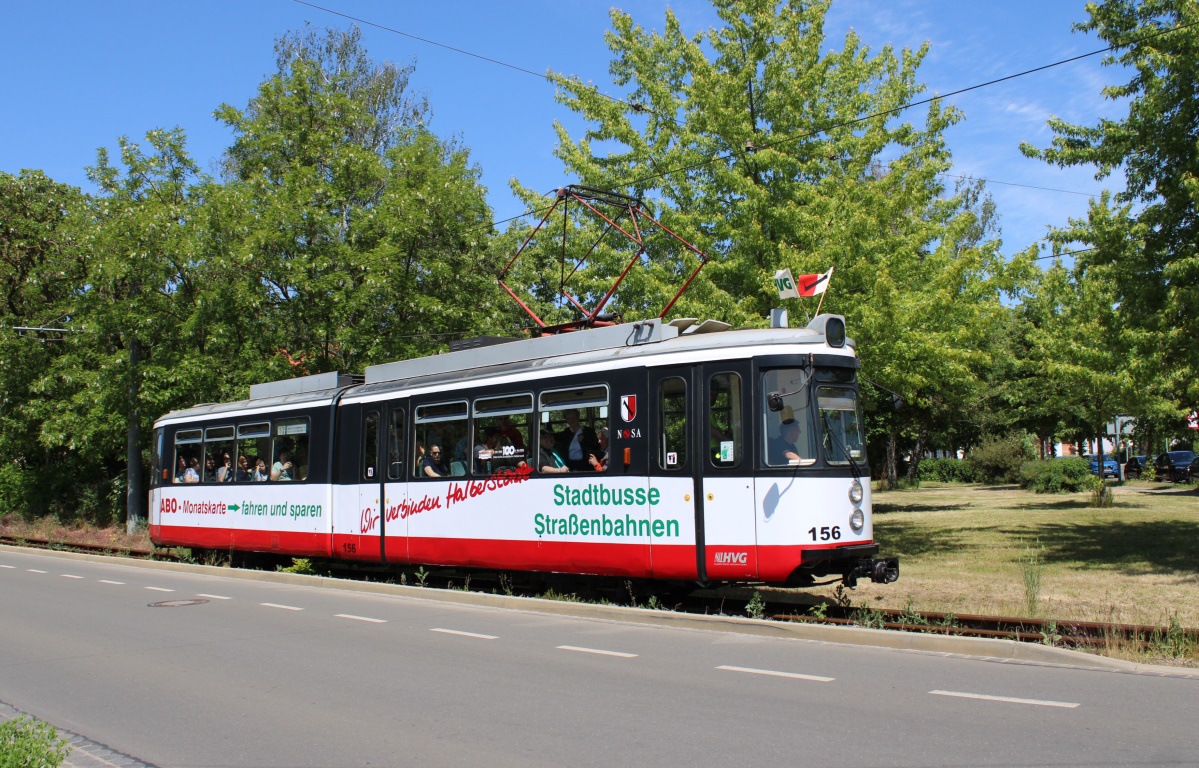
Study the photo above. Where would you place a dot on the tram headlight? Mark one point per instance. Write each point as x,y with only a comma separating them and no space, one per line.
855,492
857,520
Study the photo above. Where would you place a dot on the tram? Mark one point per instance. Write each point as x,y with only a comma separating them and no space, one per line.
681,451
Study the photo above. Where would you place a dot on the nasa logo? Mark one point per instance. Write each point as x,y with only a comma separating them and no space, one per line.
730,558
628,407
628,434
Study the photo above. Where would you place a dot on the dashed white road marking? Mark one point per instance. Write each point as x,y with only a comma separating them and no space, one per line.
598,651
214,597
776,673
464,634
106,581
160,589
1008,699
71,576
360,618
34,570
10,567
284,607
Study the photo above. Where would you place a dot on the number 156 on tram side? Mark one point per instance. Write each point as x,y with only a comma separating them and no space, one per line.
676,451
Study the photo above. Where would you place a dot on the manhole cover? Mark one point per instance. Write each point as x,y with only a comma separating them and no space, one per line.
176,603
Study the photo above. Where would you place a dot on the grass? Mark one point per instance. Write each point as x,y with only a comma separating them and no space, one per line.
50,529
999,550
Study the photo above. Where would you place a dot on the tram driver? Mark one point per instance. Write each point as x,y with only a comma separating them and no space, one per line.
782,449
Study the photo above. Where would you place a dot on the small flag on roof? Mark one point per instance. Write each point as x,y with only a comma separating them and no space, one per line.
811,285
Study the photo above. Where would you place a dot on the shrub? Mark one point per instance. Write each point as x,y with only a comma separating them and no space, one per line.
999,459
28,742
1070,475
946,471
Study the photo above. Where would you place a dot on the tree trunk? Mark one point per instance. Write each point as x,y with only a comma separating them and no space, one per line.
135,500
889,468
918,453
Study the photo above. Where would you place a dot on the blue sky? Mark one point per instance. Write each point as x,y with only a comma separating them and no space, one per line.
80,74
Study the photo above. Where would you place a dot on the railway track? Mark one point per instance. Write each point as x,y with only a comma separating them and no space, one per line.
733,602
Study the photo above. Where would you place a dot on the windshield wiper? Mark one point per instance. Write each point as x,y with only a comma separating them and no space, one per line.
828,430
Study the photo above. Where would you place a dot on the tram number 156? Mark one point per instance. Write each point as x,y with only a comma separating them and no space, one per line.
825,533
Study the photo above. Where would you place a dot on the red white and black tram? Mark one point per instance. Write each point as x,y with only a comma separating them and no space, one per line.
732,456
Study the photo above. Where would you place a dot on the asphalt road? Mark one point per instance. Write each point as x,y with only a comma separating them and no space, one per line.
265,674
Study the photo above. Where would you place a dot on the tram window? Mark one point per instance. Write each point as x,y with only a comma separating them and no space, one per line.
158,473
724,420
188,450
395,446
840,424
253,453
836,375
441,432
787,432
219,452
672,418
290,450
575,416
501,432
370,446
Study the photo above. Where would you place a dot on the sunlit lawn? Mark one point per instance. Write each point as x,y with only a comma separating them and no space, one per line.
963,549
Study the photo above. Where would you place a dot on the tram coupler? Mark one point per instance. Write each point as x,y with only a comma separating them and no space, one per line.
879,570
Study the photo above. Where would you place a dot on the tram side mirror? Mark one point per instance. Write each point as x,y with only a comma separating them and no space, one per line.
774,401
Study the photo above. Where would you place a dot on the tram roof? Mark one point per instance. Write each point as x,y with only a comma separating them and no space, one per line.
617,345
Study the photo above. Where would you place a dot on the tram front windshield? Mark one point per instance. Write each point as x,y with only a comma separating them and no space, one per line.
841,424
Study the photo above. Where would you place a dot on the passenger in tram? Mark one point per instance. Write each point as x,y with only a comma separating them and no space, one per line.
210,469
510,433
485,451
181,470
599,459
243,469
282,469
432,465
576,441
224,473
551,461
260,473
782,449
193,471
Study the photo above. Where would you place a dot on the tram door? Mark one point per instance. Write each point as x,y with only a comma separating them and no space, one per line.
673,468
726,472
369,518
396,466
382,486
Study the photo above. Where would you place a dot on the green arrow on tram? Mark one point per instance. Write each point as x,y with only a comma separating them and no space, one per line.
233,507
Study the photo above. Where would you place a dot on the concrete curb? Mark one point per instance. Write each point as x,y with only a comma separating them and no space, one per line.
982,648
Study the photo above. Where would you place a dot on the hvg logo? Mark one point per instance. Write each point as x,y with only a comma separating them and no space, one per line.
730,558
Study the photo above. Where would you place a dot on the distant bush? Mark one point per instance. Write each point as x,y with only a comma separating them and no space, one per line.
25,743
946,471
1070,475
999,459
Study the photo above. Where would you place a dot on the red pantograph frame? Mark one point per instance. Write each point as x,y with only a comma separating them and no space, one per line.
625,204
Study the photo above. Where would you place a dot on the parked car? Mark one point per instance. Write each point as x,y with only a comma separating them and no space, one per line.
1135,467
1174,466
1194,471
1110,468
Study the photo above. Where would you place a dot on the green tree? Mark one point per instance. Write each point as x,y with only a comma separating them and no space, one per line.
134,310
1079,353
40,267
353,226
1145,238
